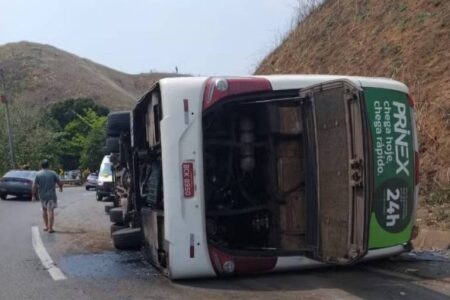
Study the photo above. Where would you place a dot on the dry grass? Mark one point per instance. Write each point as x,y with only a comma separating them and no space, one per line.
408,40
41,75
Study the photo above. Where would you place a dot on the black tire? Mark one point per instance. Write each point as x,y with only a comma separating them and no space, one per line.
116,215
127,239
118,122
116,201
108,208
3,196
115,227
112,145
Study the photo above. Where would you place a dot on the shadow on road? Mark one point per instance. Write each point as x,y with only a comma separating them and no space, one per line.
355,280
434,265
61,230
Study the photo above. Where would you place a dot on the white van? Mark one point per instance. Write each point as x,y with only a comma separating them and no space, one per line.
244,175
105,187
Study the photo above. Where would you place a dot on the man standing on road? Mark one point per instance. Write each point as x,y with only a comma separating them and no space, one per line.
44,185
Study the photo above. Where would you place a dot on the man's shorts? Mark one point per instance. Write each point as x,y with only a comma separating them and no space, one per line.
49,204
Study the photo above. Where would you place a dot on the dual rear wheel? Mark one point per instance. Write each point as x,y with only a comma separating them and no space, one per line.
123,237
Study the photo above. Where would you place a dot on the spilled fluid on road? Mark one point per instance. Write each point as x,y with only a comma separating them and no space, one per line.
107,265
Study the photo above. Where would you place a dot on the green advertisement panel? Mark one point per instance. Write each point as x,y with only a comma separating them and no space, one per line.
389,118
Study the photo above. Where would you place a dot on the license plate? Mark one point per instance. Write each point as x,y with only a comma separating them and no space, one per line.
188,179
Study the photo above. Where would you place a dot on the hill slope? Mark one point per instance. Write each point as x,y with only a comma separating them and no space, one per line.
42,74
408,40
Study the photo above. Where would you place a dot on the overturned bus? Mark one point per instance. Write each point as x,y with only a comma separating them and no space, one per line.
244,175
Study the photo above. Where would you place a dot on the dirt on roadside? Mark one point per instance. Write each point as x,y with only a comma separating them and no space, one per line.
429,239
81,223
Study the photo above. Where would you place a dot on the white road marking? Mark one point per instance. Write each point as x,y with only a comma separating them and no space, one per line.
43,255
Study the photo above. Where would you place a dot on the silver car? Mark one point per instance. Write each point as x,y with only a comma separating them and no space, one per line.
17,183
91,181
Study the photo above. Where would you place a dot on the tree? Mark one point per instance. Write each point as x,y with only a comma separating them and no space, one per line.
33,140
92,152
65,112
74,120
83,139
71,135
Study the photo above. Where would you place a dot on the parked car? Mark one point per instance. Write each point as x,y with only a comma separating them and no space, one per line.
17,183
245,175
72,175
105,180
91,181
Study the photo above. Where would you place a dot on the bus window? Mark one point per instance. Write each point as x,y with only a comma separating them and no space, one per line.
153,119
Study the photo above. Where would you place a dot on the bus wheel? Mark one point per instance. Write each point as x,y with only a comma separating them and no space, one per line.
127,239
116,215
115,227
108,208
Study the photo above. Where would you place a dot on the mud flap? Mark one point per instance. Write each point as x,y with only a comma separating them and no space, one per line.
336,157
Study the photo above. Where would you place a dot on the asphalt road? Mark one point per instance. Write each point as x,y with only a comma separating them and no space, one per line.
82,250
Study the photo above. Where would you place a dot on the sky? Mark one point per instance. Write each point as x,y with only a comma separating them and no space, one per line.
215,37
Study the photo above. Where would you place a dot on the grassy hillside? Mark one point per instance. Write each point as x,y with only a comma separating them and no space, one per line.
408,40
41,74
